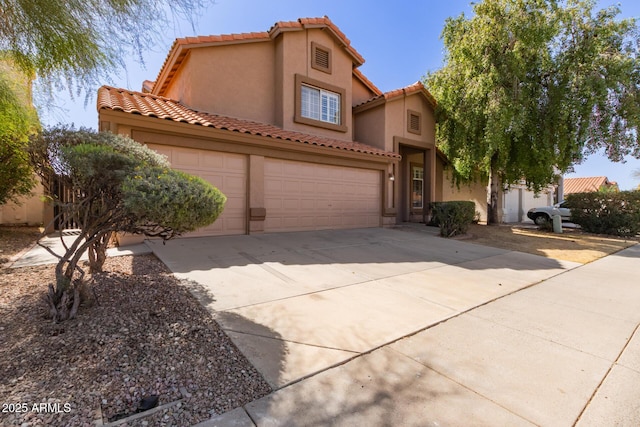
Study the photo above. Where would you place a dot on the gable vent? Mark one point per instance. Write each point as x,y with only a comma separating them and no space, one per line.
322,58
414,122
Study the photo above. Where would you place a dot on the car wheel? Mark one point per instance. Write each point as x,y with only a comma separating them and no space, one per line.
541,219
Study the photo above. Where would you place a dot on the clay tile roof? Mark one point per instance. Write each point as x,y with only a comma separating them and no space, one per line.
586,185
407,90
366,81
164,108
286,24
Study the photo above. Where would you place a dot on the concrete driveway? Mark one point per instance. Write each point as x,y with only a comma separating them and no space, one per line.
388,327
298,303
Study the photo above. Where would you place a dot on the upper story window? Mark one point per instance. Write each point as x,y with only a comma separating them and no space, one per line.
320,104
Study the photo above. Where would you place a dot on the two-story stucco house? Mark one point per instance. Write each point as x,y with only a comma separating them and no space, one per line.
289,129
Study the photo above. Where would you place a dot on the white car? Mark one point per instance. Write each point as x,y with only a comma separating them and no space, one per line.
544,214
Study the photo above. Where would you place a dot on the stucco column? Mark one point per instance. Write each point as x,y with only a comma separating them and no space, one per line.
257,211
389,182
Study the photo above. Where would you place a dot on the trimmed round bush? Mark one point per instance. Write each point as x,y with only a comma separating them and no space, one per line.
452,217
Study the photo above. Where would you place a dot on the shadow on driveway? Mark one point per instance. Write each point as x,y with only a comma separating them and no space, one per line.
328,296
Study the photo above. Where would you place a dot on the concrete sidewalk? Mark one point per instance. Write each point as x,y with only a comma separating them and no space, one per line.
563,352
38,255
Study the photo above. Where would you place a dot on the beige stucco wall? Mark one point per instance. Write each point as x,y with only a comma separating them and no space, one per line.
234,80
294,53
180,86
475,192
256,81
359,92
369,127
396,121
440,178
29,211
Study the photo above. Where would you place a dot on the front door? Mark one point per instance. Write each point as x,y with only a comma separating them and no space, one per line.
417,189
415,183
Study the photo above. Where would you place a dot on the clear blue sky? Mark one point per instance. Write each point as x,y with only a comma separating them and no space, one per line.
400,41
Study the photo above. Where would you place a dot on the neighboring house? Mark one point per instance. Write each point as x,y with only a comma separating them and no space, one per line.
29,211
589,185
517,200
289,129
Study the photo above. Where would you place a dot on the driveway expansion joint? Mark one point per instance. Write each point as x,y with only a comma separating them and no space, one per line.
291,341
461,384
604,377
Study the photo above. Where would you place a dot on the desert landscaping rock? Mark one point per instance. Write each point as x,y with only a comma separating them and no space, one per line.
145,334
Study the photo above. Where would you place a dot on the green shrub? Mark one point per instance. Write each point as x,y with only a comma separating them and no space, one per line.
617,214
176,200
118,185
452,217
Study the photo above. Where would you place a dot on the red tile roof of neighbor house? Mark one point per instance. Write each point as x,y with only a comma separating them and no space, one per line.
149,105
587,184
417,87
181,46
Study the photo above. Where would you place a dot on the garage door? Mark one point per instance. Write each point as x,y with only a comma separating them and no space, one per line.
309,196
227,172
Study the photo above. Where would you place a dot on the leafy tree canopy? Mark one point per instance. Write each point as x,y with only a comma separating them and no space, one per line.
66,43
18,120
529,87
80,42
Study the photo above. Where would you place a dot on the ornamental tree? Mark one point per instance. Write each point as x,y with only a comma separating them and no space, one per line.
112,183
529,87
18,120
73,45
78,44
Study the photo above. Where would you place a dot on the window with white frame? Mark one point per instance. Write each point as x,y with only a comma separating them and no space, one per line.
320,104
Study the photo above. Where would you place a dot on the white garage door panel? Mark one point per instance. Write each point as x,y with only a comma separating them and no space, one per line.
308,196
227,172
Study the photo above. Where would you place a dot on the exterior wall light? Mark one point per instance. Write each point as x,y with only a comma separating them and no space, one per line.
392,177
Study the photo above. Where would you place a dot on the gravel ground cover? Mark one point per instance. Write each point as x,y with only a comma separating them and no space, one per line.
143,334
